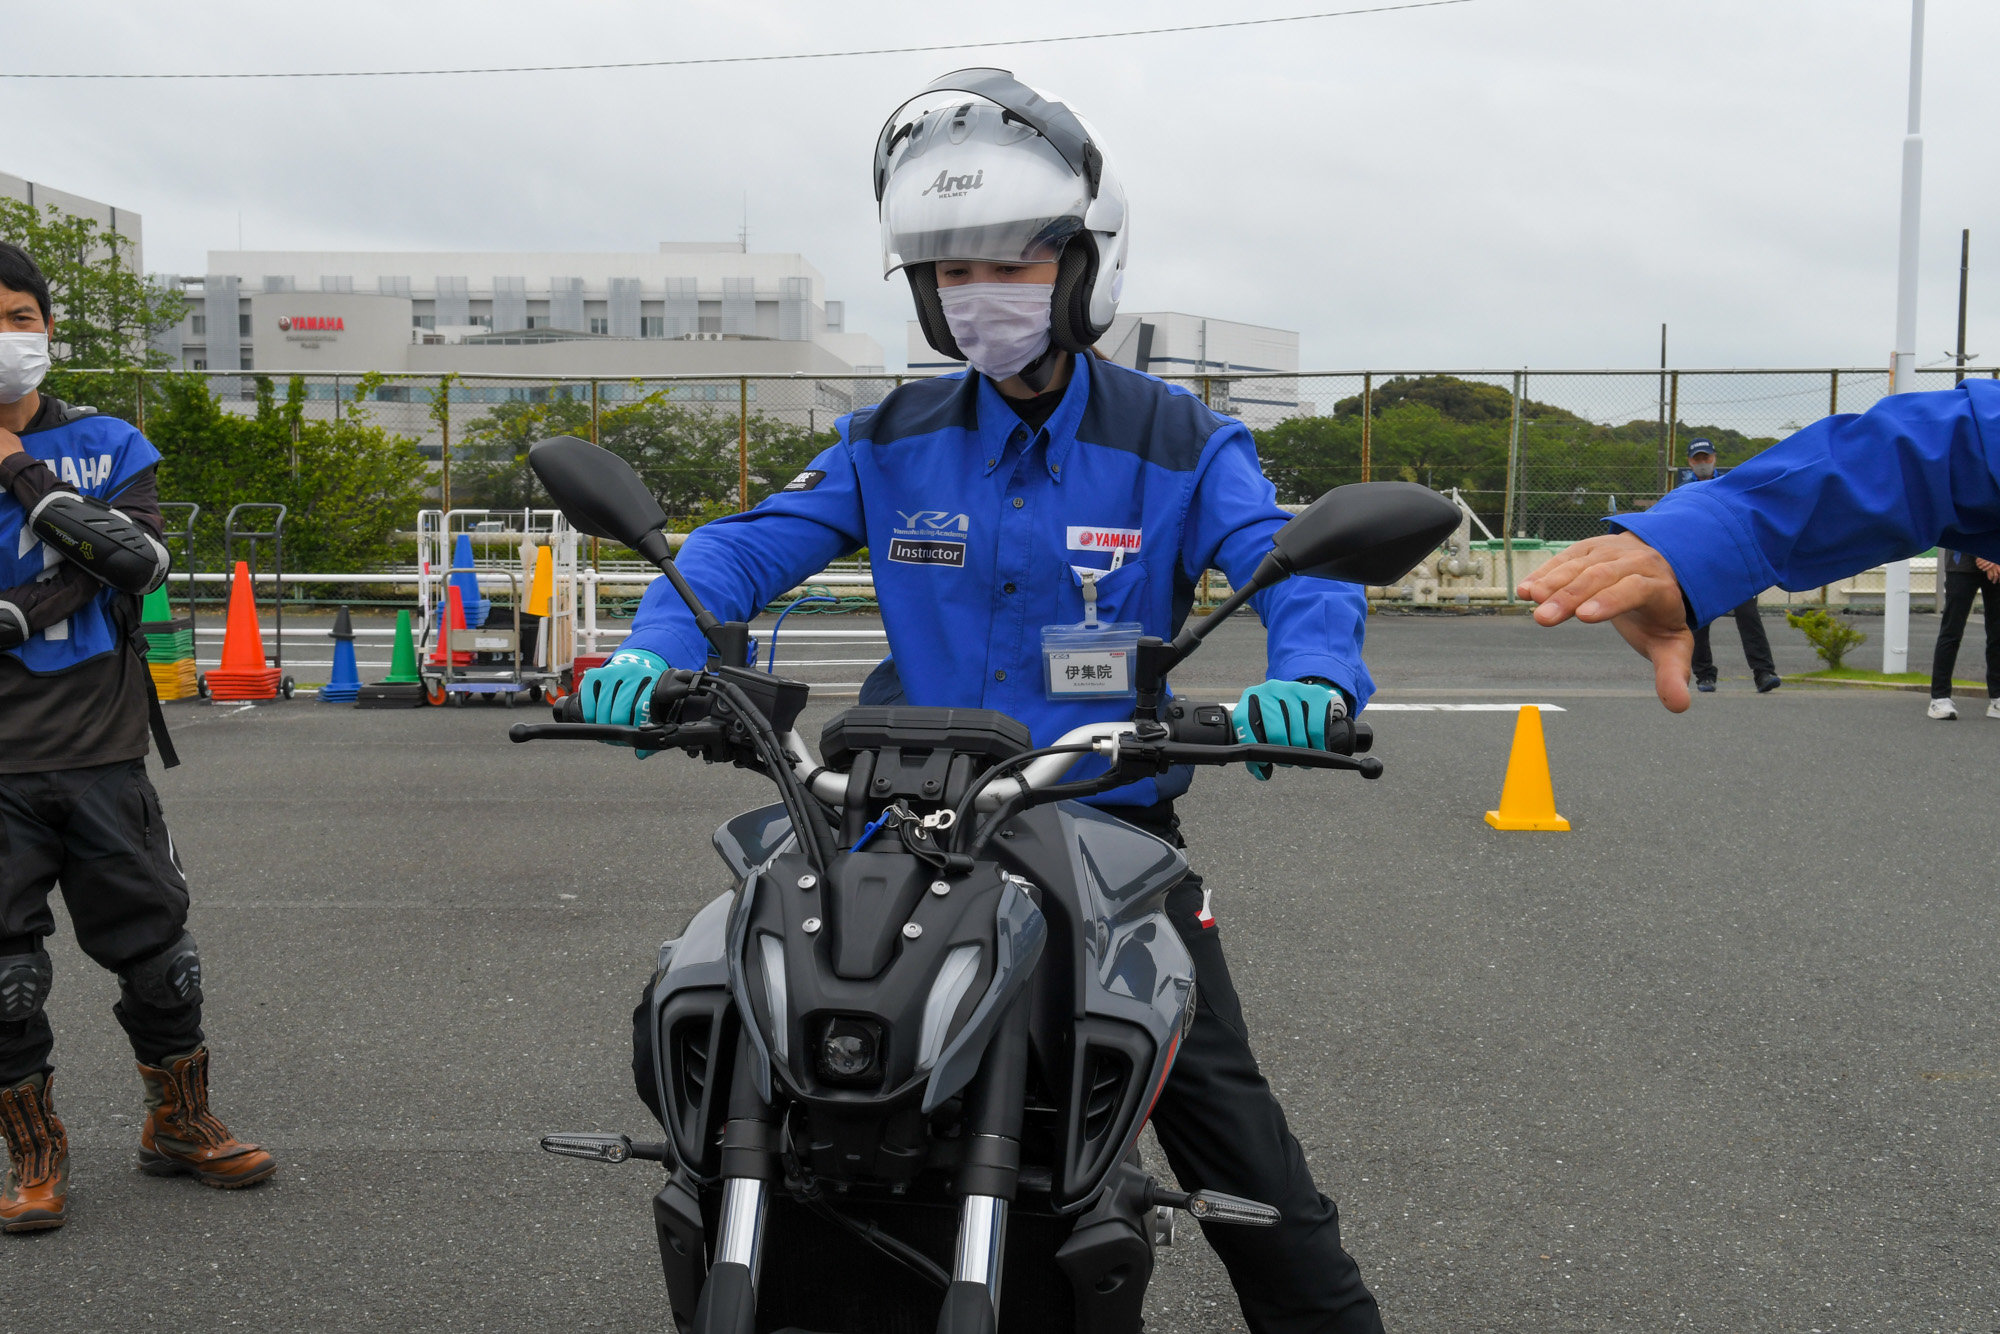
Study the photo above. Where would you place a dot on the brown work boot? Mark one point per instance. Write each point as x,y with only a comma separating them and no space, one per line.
36,1191
182,1137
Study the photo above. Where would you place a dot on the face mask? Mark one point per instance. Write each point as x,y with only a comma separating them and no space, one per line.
1000,327
24,360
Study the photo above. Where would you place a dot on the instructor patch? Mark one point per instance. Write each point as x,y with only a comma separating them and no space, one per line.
905,551
806,480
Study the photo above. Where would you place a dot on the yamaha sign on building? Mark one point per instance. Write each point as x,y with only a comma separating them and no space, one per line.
327,331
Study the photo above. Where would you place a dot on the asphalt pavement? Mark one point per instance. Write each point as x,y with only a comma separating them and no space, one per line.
1720,1058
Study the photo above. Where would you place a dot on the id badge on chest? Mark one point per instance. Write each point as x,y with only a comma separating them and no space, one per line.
1091,659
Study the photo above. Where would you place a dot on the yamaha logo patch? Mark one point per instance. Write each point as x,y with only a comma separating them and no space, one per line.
806,480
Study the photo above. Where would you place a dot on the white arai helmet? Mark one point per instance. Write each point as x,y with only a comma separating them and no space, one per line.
979,166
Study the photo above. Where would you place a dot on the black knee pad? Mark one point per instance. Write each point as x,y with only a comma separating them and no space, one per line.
170,980
24,985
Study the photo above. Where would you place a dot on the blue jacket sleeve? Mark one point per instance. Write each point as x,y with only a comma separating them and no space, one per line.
1845,494
738,563
1313,627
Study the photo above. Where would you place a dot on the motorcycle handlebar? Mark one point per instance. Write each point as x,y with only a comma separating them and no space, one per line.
1197,733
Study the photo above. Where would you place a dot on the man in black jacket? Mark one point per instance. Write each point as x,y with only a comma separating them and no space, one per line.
1966,577
79,544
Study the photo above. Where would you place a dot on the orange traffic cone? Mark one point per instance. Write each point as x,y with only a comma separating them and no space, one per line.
454,619
243,673
1528,798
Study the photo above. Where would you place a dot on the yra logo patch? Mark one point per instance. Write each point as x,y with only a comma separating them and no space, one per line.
930,537
933,521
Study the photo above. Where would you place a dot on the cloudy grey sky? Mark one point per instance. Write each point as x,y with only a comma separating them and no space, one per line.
1498,183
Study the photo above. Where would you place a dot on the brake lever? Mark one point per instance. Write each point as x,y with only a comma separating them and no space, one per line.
669,737
1165,754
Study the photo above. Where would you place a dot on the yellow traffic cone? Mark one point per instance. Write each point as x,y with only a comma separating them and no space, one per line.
543,587
1528,798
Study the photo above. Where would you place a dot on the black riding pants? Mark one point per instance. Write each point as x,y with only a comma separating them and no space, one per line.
1960,588
1756,645
1223,1129
100,834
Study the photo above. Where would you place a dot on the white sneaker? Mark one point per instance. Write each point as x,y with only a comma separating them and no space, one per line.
1946,710
1993,708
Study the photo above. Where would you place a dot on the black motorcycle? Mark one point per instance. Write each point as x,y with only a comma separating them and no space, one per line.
904,1066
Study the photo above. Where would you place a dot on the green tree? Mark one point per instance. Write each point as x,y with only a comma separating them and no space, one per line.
106,313
347,485
1307,456
1453,398
687,456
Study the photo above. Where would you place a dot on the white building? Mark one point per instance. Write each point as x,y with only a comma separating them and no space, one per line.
110,217
687,308
1186,348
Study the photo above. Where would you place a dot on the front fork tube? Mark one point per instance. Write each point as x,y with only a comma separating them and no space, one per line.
988,1177
740,1238
749,1166
982,1244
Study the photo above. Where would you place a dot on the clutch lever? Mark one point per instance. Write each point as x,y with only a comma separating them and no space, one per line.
1179,752
639,738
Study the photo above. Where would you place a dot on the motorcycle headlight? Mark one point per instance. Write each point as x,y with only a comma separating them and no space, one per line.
850,1051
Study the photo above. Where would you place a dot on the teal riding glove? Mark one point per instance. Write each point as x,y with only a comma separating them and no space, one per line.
1286,713
618,692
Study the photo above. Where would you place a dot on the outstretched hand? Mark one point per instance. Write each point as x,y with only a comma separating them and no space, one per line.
1622,580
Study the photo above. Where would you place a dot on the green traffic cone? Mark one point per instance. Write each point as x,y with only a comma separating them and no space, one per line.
157,607
403,666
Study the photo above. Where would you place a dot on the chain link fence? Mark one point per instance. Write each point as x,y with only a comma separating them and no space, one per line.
1538,456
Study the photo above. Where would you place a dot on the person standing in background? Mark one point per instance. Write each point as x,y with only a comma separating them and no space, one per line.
76,807
1965,575
1750,625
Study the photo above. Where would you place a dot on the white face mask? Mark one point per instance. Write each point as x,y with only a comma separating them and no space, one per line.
1000,327
24,360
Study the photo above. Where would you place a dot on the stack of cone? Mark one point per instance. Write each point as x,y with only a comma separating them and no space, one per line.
345,687
169,648
402,687
1528,797
243,673
454,619
466,581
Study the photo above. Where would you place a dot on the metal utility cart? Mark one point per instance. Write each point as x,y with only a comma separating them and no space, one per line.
496,669
533,654
254,538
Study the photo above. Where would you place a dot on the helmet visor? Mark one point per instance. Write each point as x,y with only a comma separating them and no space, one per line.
1019,241
968,182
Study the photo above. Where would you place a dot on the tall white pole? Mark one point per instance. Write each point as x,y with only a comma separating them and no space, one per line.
1903,361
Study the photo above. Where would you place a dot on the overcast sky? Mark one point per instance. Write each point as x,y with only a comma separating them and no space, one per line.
1498,183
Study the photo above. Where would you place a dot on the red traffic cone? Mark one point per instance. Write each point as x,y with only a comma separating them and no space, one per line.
454,619
243,674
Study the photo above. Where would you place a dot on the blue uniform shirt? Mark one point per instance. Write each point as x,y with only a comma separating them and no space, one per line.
975,526
1845,494
98,456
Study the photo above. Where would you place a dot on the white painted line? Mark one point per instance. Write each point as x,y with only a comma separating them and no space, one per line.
1460,708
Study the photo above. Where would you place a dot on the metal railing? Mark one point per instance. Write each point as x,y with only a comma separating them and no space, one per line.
1539,455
